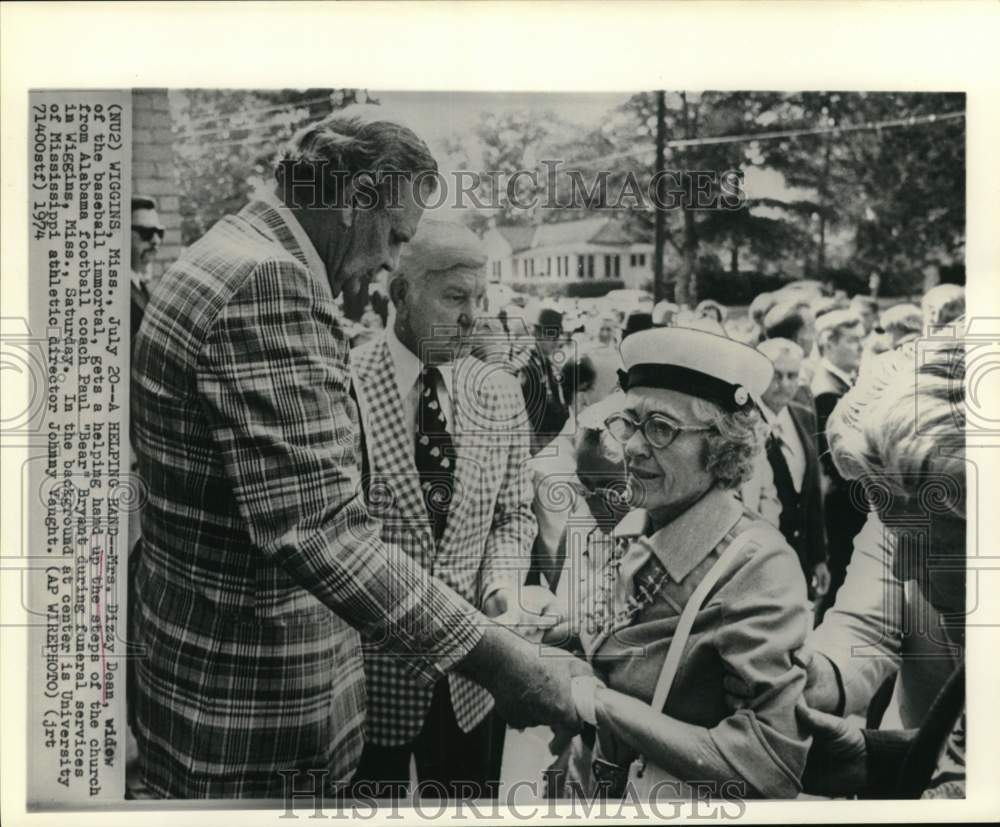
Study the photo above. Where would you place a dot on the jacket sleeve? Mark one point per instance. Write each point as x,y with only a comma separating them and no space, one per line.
273,374
765,617
508,547
862,633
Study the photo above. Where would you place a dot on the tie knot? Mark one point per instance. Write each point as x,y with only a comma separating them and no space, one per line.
429,375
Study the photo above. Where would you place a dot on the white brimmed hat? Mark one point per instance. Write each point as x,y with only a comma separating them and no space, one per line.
697,363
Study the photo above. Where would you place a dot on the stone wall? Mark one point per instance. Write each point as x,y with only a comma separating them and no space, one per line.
154,167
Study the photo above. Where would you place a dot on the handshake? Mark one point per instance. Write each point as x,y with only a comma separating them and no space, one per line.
532,683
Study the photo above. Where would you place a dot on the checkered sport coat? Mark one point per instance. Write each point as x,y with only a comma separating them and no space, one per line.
490,529
260,563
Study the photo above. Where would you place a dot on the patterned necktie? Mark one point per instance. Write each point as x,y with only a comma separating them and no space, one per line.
434,453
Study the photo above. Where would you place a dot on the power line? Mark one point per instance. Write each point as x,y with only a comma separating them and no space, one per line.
680,143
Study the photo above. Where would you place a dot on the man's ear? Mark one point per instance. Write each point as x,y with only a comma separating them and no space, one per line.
360,194
398,288
345,209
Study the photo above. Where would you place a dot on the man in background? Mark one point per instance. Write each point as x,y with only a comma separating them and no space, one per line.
792,319
447,446
147,235
839,335
794,459
541,377
605,360
867,309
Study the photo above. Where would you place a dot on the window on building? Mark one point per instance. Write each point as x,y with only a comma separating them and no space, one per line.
642,259
607,267
590,267
566,266
618,267
631,260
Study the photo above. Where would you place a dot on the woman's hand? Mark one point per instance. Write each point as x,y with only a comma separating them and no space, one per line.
838,760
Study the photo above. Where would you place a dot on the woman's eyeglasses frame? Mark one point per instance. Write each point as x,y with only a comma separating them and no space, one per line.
632,425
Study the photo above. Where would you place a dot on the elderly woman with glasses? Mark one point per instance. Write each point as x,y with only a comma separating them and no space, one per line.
691,588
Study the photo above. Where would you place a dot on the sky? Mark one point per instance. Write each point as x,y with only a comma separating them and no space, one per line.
437,116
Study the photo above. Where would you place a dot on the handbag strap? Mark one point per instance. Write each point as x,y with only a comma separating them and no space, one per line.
691,609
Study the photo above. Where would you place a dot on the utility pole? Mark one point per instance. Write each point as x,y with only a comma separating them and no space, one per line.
659,285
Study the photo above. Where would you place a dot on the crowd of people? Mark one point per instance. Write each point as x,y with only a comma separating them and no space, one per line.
695,544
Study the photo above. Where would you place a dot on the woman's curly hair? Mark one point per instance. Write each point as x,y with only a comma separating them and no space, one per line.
732,447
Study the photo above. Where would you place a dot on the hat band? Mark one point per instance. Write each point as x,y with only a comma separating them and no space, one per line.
728,396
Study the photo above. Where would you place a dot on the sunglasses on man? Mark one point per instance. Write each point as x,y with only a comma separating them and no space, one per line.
147,233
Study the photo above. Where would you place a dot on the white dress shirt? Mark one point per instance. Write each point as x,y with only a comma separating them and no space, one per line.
783,426
406,367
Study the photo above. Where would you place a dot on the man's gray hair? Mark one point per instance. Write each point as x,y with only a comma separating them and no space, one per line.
362,139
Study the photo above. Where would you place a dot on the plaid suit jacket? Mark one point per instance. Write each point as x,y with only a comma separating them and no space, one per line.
260,563
490,529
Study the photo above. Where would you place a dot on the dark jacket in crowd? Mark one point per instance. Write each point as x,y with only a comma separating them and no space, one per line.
544,399
802,519
845,514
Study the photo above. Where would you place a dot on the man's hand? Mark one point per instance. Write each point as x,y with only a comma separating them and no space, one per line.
821,579
822,690
837,764
530,611
530,683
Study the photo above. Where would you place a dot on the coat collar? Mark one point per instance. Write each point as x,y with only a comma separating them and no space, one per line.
303,246
388,441
683,543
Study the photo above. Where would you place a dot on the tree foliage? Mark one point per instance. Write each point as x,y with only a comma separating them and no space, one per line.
226,140
886,200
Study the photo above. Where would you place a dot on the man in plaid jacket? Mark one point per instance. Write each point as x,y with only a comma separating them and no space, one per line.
482,546
260,564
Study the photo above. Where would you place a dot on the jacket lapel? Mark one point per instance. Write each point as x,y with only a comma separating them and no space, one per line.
471,451
388,440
